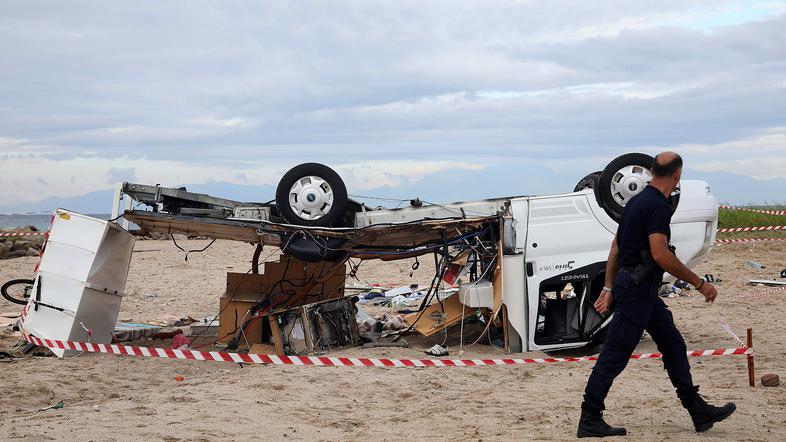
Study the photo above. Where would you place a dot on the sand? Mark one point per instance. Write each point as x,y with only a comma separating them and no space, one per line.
125,398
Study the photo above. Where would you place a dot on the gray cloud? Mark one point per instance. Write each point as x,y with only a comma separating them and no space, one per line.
280,82
119,175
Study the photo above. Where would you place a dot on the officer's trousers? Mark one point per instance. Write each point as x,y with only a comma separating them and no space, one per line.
623,336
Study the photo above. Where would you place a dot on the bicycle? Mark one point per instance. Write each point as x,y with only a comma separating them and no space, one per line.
17,290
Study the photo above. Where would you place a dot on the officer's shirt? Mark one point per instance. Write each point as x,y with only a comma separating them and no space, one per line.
645,214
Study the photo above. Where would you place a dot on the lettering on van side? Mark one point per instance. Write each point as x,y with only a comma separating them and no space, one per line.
557,267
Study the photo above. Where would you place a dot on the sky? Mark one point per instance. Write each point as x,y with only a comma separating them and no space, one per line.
520,97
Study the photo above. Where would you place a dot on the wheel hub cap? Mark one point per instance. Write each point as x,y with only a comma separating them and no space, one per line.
311,198
628,182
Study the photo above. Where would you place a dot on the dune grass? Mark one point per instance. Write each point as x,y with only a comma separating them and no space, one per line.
738,218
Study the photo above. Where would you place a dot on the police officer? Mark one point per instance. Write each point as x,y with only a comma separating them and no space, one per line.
639,255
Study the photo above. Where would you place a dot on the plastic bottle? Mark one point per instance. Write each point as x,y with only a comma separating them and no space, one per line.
756,265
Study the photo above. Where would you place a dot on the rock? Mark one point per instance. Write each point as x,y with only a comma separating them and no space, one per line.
770,380
5,249
19,245
16,254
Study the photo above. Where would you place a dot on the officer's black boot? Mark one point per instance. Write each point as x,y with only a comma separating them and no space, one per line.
591,424
705,415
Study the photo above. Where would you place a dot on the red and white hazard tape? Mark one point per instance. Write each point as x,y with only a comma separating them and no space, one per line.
727,328
15,234
746,240
759,295
166,353
766,212
750,229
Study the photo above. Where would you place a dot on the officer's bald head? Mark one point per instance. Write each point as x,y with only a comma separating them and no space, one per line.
666,164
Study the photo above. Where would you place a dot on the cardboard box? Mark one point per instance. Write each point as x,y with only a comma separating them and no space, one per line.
288,283
231,318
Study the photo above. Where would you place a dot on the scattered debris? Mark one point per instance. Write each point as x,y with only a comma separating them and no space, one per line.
207,327
756,265
180,342
672,291
770,380
766,282
173,321
166,334
437,350
56,406
709,277
402,290
179,378
132,331
374,293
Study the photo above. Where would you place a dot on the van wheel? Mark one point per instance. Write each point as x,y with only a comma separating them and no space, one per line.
588,182
623,179
312,194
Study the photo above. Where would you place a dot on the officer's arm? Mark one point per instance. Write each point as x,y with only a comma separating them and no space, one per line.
603,304
668,261
612,265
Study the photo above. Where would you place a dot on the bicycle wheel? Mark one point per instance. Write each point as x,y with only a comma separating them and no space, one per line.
17,290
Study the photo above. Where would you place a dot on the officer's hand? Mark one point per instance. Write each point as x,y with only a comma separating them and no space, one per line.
603,303
709,291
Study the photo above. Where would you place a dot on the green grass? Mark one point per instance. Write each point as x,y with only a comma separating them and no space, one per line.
738,218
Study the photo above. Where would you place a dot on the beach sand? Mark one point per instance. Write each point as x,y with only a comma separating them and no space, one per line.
126,398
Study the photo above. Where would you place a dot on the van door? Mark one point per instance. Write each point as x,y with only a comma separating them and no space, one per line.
566,251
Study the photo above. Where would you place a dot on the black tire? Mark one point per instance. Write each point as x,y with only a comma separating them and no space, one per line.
17,290
315,248
611,178
336,191
588,182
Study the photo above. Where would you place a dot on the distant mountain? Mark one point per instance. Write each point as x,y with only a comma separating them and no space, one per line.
445,186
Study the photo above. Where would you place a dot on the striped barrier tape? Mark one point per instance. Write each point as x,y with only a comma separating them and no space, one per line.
746,240
733,335
744,209
750,229
759,295
220,356
20,234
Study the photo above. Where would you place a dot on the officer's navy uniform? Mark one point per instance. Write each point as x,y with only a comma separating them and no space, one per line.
637,307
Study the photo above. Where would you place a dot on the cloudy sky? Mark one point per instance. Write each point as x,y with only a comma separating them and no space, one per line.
391,94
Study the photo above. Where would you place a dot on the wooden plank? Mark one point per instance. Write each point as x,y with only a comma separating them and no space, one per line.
431,322
276,332
496,281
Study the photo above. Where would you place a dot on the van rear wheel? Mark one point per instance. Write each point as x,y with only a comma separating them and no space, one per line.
588,182
621,180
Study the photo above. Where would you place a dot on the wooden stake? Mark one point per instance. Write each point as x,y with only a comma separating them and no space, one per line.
751,369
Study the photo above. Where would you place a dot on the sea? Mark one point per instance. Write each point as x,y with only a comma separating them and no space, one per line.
40,221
